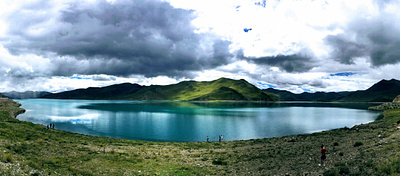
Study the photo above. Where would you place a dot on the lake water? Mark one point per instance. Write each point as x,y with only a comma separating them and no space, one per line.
192,121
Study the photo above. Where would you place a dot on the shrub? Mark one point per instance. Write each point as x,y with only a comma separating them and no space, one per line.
9,158
389,168
369,163
357,144
330,172
219,161
344,170
340,164
341,153
197,155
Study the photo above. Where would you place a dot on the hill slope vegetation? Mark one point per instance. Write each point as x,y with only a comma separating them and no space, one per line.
383,91
306,96
24,95
220,89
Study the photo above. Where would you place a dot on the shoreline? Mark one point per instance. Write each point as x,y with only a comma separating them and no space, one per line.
210,101
367,149
374,117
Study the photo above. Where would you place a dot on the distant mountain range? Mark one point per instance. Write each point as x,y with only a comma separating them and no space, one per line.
306,96
383,91
220,89
24,95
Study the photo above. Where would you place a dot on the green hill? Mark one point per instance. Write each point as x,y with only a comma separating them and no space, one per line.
306,96
383,91
220,89
113,92
24,95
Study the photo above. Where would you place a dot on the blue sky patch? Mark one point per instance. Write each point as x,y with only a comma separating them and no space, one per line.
265,85
304,89
344,74
78,77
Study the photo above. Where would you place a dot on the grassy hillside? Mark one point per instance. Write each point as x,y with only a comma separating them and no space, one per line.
221,89
383,91
29,149
113,92
306,96
24,95
10,108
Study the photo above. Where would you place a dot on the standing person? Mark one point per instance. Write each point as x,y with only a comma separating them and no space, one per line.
53,125
222,138
219,138
323,156
50,125
208,139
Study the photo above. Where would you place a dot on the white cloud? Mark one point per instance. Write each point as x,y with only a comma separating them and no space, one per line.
279,27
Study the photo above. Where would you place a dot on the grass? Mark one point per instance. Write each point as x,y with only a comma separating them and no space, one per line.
29,149
220,89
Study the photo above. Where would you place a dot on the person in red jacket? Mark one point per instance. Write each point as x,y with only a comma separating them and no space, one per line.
323,156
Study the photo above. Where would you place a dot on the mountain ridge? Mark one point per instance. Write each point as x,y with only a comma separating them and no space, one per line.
220,89
24,95
382,91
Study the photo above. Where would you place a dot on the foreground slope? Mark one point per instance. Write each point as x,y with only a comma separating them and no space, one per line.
221,89
29,149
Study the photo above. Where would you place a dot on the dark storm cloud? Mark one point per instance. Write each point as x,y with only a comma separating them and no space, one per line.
345,51
295,63
103,78
121,38
376,39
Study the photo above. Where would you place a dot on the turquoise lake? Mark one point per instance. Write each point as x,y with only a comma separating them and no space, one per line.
193,121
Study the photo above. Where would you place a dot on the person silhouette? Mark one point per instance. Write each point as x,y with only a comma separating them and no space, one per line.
323,155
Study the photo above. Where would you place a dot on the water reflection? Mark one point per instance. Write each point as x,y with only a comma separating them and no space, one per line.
193,121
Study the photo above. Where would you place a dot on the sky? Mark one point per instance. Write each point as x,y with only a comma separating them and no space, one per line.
294,45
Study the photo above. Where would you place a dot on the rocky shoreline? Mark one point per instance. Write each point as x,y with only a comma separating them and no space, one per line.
385,106
12,107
